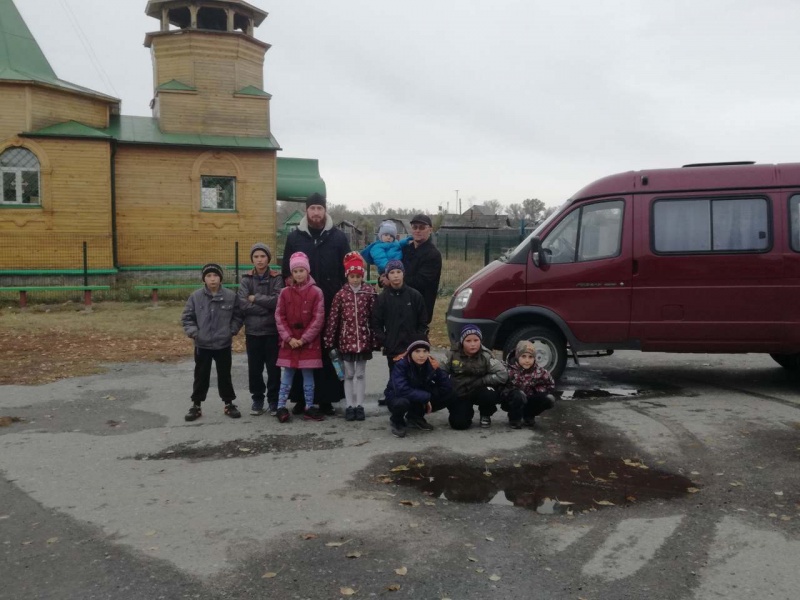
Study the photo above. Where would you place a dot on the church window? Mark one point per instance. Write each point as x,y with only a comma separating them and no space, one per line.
19,169
218,193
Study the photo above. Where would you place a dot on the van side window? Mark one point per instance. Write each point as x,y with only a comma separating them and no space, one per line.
711,225
794,216
591,232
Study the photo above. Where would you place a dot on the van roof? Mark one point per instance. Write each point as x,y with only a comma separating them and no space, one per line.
706,177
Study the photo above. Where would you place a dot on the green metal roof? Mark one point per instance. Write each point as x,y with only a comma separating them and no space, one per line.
145,130
252,90
21,58
72,129
298,178
176,86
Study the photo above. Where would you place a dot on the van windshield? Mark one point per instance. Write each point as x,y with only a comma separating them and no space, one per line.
525,244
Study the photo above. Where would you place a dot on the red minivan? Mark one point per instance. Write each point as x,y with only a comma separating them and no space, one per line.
704,258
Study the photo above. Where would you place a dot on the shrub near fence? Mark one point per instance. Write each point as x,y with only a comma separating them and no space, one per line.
59,260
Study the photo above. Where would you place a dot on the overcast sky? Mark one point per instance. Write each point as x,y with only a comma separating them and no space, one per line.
406,102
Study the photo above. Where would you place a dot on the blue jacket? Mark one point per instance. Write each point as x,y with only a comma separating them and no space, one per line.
408,380
379,253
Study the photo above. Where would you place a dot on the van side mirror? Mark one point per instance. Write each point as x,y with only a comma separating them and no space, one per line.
538,254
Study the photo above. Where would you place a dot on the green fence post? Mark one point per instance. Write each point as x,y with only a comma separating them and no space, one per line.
486,252
465,248
236,257
85,265
447,245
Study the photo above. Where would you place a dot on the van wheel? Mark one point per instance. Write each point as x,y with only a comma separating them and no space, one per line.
790,362
551,347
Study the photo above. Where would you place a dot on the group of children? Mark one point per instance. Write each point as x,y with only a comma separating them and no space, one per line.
286,330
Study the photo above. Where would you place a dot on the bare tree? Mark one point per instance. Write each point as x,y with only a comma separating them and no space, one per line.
534,209
516,212
338,212
495,206
549,211
377,208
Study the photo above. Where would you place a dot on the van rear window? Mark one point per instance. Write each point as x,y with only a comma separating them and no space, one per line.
711,225
794,216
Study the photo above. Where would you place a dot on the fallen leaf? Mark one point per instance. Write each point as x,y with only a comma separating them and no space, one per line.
361,443
468,545
695,473
400,468
786,518
429,503
736,483
494,577
604,503
773,515
779,493
354,554
480,570
393,587
52,540
491,539
472,559
517,465
564,502
409,503
413,459
386,480
347,591
242,449
488,473
269,575
336,544
309,536
401,571
630,498
490,461
692,490
151,533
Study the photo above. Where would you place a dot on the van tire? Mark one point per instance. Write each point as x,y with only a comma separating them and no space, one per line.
790,362
550,341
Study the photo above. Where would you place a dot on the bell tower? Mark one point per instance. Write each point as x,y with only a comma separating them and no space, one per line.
208,68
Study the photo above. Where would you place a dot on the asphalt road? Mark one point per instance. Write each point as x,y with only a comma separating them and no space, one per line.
656,476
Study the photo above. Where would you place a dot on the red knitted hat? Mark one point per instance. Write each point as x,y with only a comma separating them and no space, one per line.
353,263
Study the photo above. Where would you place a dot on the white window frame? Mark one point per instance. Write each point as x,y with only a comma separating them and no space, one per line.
19,186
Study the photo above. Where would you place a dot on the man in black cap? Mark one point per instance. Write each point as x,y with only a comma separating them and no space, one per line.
423,262
325,246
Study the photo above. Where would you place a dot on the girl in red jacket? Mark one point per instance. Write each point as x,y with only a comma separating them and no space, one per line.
299,316
349,332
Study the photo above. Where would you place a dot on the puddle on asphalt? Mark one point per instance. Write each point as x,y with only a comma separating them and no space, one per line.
265,444
548,488
599,393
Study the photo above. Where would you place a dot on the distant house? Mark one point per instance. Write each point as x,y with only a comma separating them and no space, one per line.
475,220
354,235
403,226
291,223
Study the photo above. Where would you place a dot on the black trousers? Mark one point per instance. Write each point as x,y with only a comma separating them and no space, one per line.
390,361
400,408
262,350
202,374
461,413
520,406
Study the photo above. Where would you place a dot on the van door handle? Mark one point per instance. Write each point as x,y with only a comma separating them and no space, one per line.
635,267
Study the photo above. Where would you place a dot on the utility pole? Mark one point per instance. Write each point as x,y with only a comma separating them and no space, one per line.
458,203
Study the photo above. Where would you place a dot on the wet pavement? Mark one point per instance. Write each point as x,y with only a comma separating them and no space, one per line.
655,477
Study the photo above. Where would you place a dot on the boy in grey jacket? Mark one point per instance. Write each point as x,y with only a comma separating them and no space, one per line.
258,297
211,318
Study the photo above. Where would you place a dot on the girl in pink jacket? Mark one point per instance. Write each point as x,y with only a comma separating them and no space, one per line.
299,316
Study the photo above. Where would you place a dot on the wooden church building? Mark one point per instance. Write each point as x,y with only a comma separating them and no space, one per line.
180,187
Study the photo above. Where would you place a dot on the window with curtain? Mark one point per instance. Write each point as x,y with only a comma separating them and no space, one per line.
711,225
19,169
592,232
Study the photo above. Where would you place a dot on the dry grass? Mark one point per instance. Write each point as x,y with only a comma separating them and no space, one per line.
47,343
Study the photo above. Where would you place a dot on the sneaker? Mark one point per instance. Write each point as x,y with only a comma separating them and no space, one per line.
232,411
398,431
283,414
299,408
531,422
273,409
486,421
194,413
515,424
360,415
312,414
327,409
257,408
350,413
419,423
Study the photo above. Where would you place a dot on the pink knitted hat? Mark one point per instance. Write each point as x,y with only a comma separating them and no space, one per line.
299,259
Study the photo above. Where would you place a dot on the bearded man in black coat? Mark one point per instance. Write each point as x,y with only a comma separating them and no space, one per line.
325,246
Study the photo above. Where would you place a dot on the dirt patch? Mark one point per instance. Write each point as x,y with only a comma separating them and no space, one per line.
47,343
265,444
43,344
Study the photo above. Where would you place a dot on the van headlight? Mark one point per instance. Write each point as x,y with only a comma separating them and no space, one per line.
462,299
